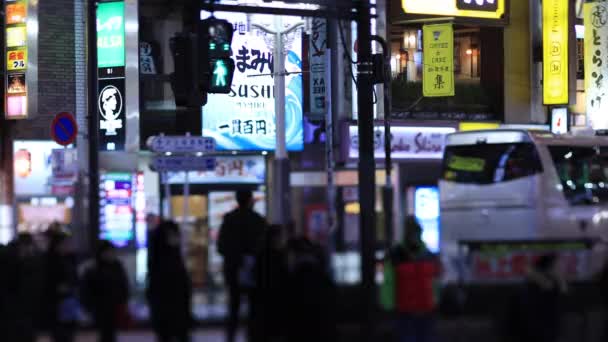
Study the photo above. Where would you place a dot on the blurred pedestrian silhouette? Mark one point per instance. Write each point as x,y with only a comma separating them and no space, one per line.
269,298
416,288
24,270
238,242
62,306
105,292
169,289
310,298
539,305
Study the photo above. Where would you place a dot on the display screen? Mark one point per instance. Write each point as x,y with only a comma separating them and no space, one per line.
117,217
426,210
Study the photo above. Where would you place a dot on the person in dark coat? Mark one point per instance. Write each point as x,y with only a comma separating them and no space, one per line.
269,296
239,239
61,287
24,270
105,291
169,286
542,296
311,293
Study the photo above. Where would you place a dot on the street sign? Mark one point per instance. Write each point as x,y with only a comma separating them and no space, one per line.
183,163
181,144
64,129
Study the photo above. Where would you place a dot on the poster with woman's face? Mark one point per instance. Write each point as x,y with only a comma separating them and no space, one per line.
16,83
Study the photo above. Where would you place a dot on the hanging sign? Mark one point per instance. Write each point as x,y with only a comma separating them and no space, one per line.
16,60
555,52
596,63
317,50
485,9
438,56
111,75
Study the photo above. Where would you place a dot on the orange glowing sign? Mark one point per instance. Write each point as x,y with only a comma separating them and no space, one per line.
15,13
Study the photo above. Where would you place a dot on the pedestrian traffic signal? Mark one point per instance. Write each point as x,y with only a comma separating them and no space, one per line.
222,71
219,33
216,66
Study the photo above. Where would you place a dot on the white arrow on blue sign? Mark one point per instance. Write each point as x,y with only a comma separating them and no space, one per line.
183,163
181,144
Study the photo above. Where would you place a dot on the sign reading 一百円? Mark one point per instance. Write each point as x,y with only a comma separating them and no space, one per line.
555,52
16,59
111,75
596,63
438,58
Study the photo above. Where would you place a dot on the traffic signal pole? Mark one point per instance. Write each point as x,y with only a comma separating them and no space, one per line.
367,170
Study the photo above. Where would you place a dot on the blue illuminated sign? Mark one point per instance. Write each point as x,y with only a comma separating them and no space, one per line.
116,219
244,119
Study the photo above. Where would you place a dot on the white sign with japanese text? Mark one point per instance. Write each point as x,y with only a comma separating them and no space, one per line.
407,142
596,63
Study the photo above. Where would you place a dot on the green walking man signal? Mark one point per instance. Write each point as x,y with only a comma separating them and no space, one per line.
222,71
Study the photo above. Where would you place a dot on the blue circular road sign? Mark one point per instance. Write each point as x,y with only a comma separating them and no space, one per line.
64,129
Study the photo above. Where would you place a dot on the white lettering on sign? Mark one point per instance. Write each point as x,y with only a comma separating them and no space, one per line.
407,142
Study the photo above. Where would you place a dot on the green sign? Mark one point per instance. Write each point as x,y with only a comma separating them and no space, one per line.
111,34
438,58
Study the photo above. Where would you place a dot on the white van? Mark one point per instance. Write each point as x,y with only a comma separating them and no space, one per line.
510,185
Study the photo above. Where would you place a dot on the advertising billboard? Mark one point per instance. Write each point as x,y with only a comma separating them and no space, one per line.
244,119
110,34
117,215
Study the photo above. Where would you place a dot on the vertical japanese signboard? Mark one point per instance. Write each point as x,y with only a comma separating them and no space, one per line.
318,48
16,59
596,63
555,52
111,75
438,57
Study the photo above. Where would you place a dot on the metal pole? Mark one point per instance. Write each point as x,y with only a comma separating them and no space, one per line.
367,169
186,199
93,123
168,195
387,190
329,150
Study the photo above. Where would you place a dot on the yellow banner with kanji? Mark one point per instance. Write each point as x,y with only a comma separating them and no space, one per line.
16,59
438,60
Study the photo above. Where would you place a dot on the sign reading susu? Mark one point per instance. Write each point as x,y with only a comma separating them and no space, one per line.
438,57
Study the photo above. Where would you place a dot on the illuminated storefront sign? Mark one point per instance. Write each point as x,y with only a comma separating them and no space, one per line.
228,170
486,9
111,87
596,63
110,34
438,56
407,142
16,60
117,218
555,52
244,119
